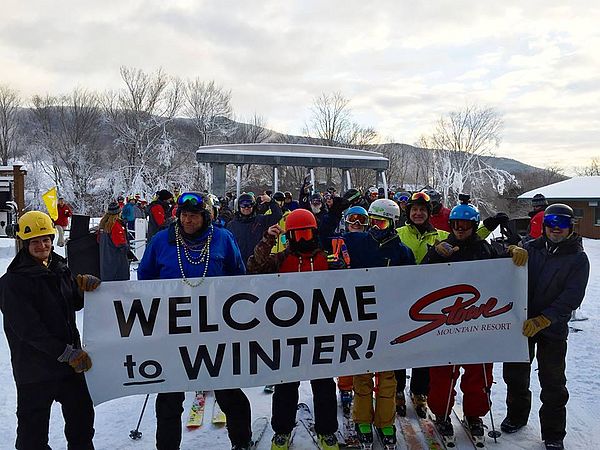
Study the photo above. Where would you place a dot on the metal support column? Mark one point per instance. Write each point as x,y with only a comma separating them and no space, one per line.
275,178
238,182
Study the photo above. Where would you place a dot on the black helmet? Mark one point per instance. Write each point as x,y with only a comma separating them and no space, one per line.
279,196
559,209
245,198
538,201
352,195
316,197
435,196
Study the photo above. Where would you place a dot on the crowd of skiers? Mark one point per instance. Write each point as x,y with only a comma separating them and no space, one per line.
196,235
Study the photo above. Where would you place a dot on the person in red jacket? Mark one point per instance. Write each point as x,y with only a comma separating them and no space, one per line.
536,224
62,221
302,254
440,214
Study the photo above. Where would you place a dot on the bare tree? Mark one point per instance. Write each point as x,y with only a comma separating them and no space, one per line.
9,122
209,108
593,169
252,130
330,121
140,116
68,131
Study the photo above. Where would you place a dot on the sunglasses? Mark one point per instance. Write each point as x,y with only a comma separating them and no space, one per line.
553,221
357,219
316,202
302,234
420,195
192,198
461,224
379,222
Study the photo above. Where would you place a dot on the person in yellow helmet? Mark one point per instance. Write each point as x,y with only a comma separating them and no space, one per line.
38,299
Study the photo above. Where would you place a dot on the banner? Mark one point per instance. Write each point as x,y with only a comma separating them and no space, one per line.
50,198
253,330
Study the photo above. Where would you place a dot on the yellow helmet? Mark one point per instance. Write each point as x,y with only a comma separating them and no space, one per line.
34,224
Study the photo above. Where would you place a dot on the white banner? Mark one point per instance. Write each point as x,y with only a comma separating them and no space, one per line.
164,336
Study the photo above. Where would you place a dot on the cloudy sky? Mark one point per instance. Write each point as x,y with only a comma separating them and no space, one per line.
403,64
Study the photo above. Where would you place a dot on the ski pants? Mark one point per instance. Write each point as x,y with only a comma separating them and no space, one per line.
34,402
285,403
474,384
419,380
169,407
385,399
551,361
61,235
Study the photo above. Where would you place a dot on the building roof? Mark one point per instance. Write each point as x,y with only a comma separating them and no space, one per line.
576,188
292,155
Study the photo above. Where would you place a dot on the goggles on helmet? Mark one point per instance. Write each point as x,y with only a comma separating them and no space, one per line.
380,223
420,195
246,205
460,224
357,219
191,198
553,221
403,198
302,234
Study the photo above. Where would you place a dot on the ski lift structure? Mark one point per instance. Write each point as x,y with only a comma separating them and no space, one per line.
298,155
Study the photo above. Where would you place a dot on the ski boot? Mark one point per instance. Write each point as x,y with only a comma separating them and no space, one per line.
554,445
281,441
420,402
346,401
387,436
509,426
328,441
400,404
475,425
365,435
446,430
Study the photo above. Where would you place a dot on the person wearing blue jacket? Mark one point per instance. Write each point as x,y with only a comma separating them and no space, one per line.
193,248
558,274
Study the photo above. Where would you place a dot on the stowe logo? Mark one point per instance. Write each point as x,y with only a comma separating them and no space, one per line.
461,311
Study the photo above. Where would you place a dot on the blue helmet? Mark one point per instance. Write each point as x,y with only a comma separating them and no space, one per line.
465,211
356,210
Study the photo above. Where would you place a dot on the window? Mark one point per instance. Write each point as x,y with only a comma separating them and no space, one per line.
597,216
578,212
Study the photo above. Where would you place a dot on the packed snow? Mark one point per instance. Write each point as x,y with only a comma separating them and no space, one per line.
116,418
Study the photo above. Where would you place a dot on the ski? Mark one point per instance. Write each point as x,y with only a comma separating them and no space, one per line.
196,416
433,435
409,433
477,441
349,436
381,439
304,416
218,416
258,430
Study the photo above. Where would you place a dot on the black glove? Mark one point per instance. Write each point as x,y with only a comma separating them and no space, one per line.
340,204
491,223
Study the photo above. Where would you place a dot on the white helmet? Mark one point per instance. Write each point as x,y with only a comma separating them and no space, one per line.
214,201
386,208
373,190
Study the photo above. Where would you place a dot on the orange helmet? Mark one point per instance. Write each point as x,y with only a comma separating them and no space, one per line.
300,218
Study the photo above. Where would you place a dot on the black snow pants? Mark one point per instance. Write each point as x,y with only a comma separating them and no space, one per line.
551,359
419,380
34,402
169,407
285,402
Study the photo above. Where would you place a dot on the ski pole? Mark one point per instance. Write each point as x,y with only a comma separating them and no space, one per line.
450,389
494,433
137,434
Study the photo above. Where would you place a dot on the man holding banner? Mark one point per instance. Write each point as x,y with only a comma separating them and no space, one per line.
193,248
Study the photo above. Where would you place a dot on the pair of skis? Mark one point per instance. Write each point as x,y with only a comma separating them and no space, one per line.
196,415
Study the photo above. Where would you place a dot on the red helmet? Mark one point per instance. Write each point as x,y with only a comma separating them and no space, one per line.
300,218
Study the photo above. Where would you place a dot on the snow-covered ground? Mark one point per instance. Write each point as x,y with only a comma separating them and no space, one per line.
116,418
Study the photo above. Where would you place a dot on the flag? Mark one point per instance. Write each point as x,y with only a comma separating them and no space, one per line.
51,201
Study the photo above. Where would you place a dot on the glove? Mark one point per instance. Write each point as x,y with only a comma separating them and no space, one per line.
87,283
77,358
339,205
533,326
519,255
445,249
491,223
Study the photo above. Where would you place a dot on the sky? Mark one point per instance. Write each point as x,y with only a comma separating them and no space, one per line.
402,64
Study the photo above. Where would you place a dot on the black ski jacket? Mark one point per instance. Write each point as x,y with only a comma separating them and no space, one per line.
558,275
38,306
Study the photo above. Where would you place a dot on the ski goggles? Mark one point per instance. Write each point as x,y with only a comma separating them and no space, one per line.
380,223
553,221
305,234
316,201
191,198
246,205
420,195
357,219
461,224
403,198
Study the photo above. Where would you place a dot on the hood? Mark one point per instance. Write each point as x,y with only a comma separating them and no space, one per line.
23,263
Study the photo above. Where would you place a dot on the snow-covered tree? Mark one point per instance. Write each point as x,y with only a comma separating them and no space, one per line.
9,122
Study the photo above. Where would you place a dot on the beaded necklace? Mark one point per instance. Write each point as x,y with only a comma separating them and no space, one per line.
203,254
